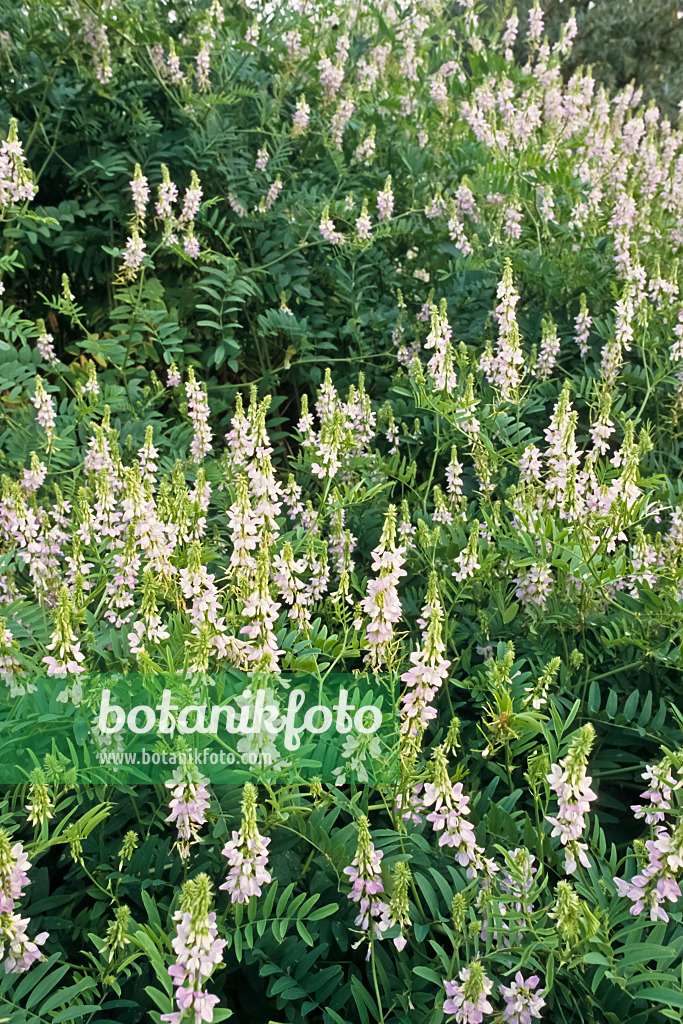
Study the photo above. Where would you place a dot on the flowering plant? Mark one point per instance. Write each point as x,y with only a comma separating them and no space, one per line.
344,339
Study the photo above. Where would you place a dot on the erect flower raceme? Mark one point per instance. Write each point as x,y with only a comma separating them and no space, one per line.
188,805
17,951
247,853
198,951
571,784
468,998
450,815
365,875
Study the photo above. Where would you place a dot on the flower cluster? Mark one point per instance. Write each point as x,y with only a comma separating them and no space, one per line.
16,185
365,875
450,815
198,952
188,805
247,853
17,951
571,785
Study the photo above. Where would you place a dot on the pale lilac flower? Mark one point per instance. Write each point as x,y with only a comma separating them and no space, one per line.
534,586
364,225
428,670
191,245
168,193
247,854
521,1002
96,39
341,118
191,200
46,348
549,351
385,201
450,815
15,184
365,875
331,76
583,324
45,414
658,796
236,206
133,255
292,40
203,64
140,190
468,1000
657,881
510,34
328,230
301,117
173,375
16,949
188,805
198,952
382,603
569,782
535,24
198,412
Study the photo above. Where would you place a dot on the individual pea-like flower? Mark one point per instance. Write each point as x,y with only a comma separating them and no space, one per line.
247,853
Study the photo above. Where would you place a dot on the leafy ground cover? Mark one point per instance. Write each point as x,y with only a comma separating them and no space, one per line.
335,342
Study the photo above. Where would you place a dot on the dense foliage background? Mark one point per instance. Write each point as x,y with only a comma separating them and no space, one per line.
346,338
